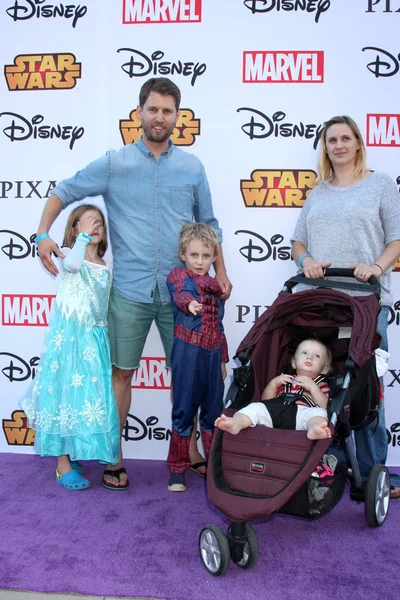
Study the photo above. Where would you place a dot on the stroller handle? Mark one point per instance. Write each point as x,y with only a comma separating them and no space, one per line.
371,287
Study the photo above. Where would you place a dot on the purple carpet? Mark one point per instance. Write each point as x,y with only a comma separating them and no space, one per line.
143,542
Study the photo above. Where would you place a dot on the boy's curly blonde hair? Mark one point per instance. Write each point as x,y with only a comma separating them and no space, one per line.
198,231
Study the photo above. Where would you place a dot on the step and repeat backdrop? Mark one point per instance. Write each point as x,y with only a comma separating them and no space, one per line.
258,79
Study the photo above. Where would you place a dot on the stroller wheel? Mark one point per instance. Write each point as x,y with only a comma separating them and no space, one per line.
214,550
377,496
243,544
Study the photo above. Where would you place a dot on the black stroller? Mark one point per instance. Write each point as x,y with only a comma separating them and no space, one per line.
264,470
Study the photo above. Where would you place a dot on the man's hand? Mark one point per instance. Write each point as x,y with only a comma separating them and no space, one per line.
225,285
46,247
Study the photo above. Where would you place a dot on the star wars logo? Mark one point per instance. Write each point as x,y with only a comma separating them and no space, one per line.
135,430
315,7
26,310
140,65
277,188
386,6
16,368
260,126
184,134
23,10
16,246
383,130
152,374
161,11
283,67
16,430
42,72
259,249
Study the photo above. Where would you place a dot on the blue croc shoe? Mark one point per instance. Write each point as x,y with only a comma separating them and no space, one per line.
72,480
76,465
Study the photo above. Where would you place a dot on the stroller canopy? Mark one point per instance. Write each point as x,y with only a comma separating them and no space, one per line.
322,313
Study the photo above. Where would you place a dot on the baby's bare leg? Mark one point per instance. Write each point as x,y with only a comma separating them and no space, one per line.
317,429
233,424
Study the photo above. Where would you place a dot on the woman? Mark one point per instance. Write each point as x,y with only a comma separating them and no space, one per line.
352,219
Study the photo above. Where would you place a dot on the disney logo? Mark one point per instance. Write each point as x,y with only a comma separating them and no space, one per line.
393,439
17,369
139,430
263,6
143,65
266,126
21,129
385,66
24,10
394,313
17,246
257,253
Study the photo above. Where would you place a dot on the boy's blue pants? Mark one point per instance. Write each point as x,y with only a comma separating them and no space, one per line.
196,382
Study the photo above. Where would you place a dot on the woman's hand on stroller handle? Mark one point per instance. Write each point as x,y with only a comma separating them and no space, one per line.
313,269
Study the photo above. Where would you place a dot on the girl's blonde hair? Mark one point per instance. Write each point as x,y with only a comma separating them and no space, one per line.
74,217
325,168
198,231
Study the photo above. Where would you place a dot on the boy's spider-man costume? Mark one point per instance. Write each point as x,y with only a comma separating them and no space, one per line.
199,349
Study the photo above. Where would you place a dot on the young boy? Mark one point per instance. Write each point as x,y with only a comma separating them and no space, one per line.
199,351
312,360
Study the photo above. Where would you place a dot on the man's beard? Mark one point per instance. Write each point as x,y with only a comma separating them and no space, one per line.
159,139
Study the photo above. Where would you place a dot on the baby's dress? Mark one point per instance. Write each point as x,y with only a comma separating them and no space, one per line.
71,403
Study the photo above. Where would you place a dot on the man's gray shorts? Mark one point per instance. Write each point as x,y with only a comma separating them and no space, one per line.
129,323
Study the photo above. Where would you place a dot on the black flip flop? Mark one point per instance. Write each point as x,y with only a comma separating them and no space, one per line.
195,467
115,473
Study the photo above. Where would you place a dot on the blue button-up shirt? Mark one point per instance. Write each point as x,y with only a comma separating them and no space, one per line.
148,201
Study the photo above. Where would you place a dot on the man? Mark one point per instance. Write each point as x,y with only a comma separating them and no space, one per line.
150,189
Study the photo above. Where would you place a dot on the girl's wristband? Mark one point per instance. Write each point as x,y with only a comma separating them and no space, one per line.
376,265
42,236
301,258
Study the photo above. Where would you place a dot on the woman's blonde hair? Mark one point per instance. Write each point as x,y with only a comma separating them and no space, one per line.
74,217
325,168
198,231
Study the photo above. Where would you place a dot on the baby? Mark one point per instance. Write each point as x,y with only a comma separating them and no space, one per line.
309,394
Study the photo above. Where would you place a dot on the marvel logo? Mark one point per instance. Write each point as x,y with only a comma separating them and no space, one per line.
27,310
161,11
283,66
383,130
152,374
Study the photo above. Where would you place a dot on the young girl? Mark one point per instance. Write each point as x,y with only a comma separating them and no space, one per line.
71,403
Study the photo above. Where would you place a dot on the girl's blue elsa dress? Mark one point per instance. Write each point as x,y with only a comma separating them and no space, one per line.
71,403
